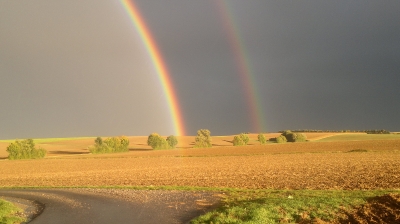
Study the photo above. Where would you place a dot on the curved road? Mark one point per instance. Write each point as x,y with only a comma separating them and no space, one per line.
111,205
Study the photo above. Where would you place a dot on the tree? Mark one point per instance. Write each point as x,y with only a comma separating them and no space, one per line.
172,141
296,137
238,141
203,139
24,149
289,136
241,139
281,139
157,142
245,138
110,145
98,141
286,133
261,138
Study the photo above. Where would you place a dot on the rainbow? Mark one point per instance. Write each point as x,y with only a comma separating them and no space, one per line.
158,63
243,66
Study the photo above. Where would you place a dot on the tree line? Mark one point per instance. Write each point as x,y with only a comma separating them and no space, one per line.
372,131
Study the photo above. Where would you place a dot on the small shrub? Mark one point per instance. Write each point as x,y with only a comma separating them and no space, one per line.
110,145
172,141
261,138
203,139
25,149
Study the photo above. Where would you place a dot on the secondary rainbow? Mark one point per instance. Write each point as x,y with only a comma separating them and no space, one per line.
243,66
158,63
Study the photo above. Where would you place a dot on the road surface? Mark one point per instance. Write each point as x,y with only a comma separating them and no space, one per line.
111,205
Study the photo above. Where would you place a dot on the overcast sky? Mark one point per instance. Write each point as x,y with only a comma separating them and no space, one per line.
79,68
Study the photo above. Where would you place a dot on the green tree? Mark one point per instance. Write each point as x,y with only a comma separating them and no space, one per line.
281,139
110,145
286,133
98,141
245,138
203,139
238,141
172,141
157,142
242,139
296,137
261,138
25,149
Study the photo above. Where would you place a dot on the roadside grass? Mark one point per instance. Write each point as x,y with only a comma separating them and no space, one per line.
267,206
286,206
8,213
48,140
359,137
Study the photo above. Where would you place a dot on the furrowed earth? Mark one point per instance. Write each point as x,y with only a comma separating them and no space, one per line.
365,164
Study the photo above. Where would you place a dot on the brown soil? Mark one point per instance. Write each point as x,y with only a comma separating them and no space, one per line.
311,165
379,210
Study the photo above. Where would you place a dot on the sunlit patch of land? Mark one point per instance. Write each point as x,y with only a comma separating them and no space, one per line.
78,146
359,137
328,164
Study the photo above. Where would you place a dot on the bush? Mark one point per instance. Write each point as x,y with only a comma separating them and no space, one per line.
172,141
241,139
286,133
157,142
245,138
281,139
300,137
25,149
238,141
261,138
292,137
203,139
296,137
110,145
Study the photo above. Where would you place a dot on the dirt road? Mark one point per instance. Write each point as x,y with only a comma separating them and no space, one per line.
114,205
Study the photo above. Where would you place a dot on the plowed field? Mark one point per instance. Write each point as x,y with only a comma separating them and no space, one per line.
311,165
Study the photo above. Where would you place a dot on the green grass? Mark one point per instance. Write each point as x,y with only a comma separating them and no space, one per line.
288,206
8,213
359,137
48,140
267,206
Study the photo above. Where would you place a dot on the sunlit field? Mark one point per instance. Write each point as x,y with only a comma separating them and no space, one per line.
328,162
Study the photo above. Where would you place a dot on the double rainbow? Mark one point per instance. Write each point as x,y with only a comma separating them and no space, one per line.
244,68
159,65
243,65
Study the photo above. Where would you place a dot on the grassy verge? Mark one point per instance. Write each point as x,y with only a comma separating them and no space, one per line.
267,206
359,137
8,213
285,206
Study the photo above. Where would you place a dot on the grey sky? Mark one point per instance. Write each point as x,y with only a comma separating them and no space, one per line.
79,68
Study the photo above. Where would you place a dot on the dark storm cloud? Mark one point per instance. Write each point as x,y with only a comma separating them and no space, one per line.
322,65
316,64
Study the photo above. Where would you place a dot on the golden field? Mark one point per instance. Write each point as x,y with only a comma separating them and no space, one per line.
309,165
